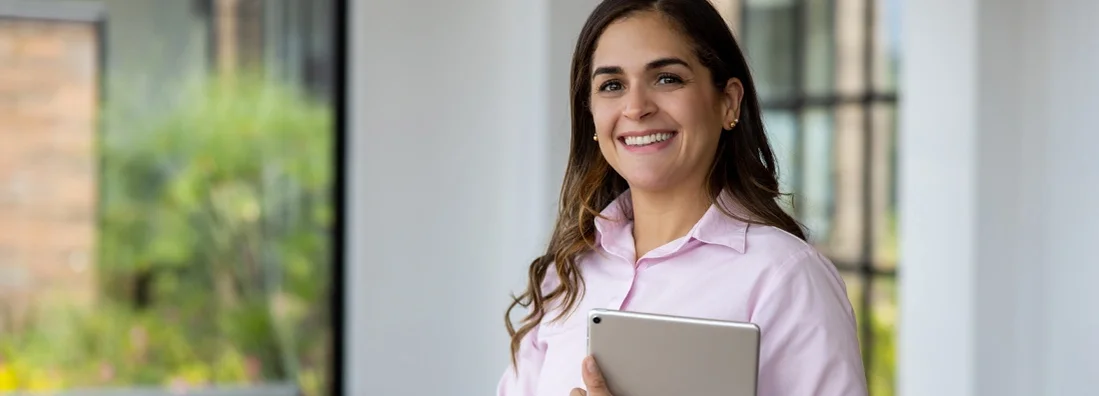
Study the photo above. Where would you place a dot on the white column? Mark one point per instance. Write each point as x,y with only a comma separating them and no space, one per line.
1000,197
937,198
1069,210
458,134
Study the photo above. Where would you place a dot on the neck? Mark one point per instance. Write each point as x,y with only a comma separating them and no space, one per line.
661,217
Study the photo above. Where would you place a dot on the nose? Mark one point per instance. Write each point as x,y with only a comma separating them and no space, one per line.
638,105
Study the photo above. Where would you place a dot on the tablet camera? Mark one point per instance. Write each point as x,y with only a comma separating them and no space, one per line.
596,320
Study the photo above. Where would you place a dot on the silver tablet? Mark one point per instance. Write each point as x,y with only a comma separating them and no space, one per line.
658,355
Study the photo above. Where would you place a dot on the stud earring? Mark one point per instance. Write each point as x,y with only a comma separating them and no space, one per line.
733,124
595,137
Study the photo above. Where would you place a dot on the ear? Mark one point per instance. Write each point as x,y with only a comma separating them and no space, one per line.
731,98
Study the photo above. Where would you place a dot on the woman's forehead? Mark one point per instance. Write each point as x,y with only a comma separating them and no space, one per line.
638,39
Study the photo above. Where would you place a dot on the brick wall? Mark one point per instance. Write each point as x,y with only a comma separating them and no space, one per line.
48,100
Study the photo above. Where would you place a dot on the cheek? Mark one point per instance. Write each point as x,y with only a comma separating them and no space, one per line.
697,116
604,117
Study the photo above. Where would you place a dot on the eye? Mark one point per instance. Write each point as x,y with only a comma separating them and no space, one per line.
668,79
610,86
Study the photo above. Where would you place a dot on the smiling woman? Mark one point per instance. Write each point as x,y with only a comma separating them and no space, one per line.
670,205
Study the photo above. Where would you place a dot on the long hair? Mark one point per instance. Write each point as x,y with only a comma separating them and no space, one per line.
744,165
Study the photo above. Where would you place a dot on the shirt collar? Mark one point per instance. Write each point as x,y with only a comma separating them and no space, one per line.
614,226
717,227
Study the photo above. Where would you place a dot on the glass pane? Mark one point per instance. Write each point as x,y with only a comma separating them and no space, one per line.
781,127
882,367
851,30
887,44
855,289
815,200
884,199
177,236
769,45
845,238
819,38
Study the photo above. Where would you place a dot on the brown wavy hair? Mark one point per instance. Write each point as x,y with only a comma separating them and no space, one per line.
744,165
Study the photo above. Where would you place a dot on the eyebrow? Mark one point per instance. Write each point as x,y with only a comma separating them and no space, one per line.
656,64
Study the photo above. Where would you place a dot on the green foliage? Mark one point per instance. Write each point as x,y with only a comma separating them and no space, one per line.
882,375
214,252
881,370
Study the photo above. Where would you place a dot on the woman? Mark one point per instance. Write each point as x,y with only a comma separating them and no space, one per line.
669,205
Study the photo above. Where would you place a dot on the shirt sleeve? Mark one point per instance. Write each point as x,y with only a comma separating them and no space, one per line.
522,382
809,341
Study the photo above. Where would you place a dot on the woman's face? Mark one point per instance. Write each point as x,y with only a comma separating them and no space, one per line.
656,111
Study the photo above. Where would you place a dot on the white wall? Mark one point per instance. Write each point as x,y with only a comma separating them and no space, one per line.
1000,197
456,157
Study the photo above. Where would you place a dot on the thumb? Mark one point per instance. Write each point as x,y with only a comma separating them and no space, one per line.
593,379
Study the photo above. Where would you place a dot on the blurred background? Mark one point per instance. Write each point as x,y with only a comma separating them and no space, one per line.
167,194
314,197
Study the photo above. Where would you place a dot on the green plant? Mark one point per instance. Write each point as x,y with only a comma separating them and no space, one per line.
882,375
218,218
214,254
881,372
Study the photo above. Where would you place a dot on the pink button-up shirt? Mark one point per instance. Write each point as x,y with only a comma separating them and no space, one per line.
722,269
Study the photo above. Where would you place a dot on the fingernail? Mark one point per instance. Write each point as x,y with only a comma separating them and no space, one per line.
591,366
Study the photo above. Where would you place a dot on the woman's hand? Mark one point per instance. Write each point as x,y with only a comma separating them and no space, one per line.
593,380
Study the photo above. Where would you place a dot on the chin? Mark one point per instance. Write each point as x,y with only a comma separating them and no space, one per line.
649,181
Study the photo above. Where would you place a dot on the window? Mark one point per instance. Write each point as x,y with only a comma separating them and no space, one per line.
170,196
826,73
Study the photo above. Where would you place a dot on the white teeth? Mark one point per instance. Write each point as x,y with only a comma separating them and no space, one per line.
647,139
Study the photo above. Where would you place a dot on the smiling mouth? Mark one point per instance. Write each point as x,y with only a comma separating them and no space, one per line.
640,141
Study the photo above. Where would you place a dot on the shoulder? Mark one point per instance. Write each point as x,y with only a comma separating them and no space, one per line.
783,255
777,247
810,343
795,273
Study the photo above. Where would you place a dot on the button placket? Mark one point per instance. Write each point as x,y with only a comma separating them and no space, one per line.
618,300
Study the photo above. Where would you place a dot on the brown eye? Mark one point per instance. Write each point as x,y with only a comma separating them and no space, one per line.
668,79
610,86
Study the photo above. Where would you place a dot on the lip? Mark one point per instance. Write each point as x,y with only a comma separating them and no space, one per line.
652,148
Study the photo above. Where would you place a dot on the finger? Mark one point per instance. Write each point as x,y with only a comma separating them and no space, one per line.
593,378
578,392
